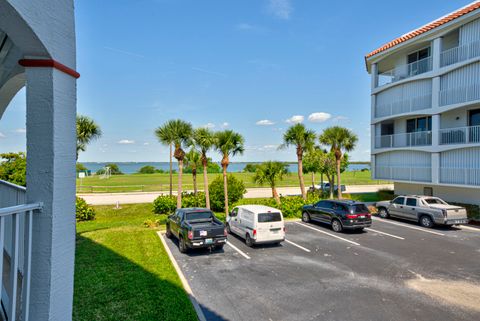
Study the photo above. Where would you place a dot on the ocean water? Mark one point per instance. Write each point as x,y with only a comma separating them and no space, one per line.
133,167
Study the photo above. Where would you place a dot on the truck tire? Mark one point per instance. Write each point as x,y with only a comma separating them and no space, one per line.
182,245
305,217
168,233
426,221
248,240
383,213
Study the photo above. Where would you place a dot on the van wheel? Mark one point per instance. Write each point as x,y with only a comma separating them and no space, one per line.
426,221
305,217
249,241
229,231
383,213
337,226
182,245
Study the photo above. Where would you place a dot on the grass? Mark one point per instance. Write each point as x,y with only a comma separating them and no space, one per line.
160,182
122,271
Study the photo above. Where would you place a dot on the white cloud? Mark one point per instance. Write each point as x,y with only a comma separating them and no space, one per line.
319,117
126,142
270,146
295,119
224,125
340,119
265,122
209,125
146,144
281,9
20,130
2,135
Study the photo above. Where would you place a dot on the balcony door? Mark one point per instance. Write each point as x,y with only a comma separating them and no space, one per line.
474,123
418,62
419,131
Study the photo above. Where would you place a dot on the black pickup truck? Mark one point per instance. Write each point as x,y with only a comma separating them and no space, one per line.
196,228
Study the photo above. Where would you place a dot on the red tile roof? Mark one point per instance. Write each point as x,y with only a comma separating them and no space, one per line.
435,24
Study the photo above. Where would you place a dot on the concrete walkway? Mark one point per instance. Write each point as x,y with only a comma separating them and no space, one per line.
148,197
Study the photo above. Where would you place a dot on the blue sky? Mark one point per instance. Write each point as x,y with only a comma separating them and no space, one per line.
247,65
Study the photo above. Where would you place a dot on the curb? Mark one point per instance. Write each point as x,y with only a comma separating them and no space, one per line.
186,286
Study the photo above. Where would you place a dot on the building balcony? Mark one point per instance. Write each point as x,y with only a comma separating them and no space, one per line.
460,94
460,176
461,53
404,140
460,135
405,71
404,106
404,173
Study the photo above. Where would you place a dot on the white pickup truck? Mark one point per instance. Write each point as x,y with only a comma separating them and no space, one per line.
425,210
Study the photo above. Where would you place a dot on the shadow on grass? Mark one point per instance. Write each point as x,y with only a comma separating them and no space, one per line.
108,286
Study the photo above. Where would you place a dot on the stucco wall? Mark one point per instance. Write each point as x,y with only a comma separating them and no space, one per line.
449,194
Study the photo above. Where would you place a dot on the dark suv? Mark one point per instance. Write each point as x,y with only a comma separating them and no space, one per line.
343,214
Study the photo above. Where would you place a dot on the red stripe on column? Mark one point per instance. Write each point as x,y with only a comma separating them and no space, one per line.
49,63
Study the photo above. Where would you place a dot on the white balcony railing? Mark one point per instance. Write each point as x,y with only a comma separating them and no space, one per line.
460,176
404,106
405,71
460,53
460,94
460,135
404,140
404,173
15,247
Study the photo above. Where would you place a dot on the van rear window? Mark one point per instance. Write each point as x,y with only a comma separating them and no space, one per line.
269,217
360,209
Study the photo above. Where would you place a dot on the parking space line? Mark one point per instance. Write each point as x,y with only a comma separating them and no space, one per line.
408,226
299,246
238,250
387,234
330,234
469,228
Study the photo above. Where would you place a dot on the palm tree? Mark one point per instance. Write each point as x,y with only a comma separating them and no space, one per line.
165,136
304,140
87,131
204,140
271,172
228,144
180,132
339,139
193,159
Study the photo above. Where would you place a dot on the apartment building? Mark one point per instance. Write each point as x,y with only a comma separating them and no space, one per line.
425,111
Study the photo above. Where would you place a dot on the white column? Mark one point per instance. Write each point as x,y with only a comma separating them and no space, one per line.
372,137
436,53
436,92
51,139
374,75
435,168
435,130
372,166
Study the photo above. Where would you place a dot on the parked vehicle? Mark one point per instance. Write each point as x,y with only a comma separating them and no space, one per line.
341,214
196,228
325,186
425,210
257,224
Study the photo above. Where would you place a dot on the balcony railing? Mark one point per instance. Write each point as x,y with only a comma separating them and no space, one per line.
404,140
460,176
460,94
404,173
405,71
459,135
460,53
404,106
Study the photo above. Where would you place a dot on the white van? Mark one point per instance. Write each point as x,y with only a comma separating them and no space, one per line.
257,224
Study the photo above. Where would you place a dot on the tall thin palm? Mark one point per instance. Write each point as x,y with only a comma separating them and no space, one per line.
204,140
193,160
181,133
304,140
164,134
340,140
87,131
228,143
271,172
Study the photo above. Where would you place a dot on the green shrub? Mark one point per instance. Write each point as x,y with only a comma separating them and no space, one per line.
165,204
155,223
114,169
147,170
189,200
250,168
84,212
81,168
236,189
385,194
473,211
13,167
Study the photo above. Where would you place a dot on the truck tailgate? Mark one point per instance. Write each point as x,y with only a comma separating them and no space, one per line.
457,213
207,230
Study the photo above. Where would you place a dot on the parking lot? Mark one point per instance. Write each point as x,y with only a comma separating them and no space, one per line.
394,271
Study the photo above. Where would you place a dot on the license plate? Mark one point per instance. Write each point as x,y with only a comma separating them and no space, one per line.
203,233
208,241
361,216
274,231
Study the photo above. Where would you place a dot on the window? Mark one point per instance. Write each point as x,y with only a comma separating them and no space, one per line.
199,216
340,208
433,201
399,200
269,217
421,124
234,212
411,202
387,129
180,215
360,209
474,117
419,55
325,204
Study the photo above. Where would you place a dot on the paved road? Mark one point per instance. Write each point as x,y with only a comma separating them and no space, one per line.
374,275
148,197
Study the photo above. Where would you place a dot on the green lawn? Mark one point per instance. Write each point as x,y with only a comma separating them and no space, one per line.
160,182
122,271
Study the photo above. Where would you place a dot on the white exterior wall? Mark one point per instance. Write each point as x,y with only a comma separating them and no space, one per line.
460,85
470,32
447,193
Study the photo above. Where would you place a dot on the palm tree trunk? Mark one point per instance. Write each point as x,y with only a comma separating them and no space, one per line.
300,177
194,174
313,180
205,185
339,188
179,191
275,195
171,170
225,188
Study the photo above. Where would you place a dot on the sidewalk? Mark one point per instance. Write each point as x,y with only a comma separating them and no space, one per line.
148,197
